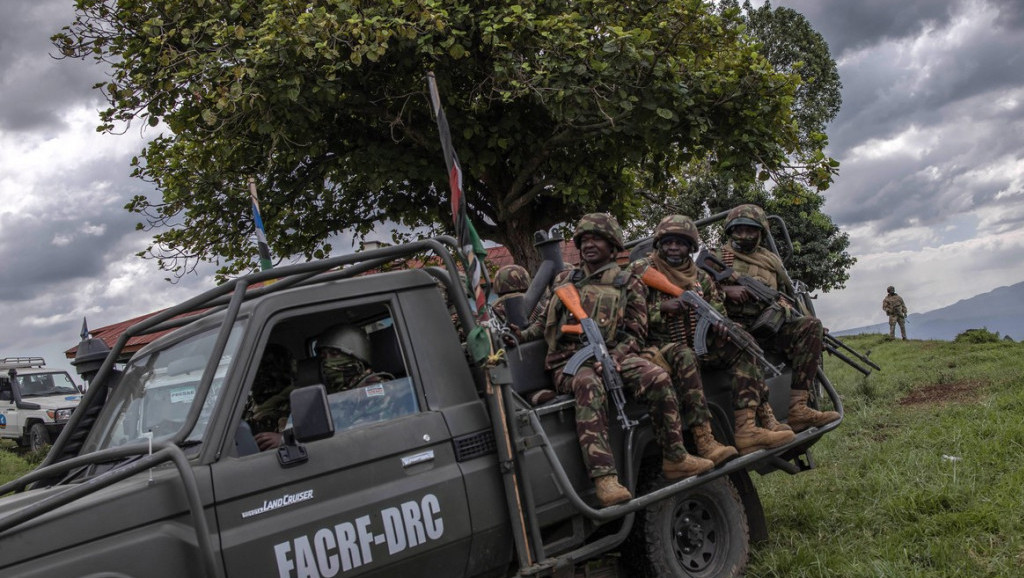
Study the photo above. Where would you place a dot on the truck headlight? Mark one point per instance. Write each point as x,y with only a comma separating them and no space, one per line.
59,414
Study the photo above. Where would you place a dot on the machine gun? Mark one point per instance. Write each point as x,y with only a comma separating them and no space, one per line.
596,349
720,271
708,317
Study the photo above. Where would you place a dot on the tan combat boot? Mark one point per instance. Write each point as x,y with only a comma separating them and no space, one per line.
708,447
686,467
610,491
750,438
801,416
767,418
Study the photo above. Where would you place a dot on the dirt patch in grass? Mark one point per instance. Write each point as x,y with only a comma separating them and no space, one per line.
956,392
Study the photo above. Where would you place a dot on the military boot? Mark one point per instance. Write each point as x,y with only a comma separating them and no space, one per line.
767,418
802,416
686,467
610,491
750,438
708,447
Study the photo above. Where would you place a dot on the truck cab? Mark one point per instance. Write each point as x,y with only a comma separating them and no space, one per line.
462,476
35,401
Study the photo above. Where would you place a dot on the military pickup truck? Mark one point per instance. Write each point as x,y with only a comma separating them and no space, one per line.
35,401
159,475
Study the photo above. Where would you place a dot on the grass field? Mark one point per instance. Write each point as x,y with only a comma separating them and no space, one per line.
923,478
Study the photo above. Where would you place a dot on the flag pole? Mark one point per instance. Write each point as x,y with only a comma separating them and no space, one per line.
261,235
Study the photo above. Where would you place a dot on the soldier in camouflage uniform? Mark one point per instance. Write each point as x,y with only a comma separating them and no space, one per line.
510,281
345,359
798,339
266,410
615,300
670,334
896,309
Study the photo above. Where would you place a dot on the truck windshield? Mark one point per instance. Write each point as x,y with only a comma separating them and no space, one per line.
43,384
157,391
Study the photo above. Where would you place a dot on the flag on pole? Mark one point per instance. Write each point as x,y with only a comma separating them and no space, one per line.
472,249
261,235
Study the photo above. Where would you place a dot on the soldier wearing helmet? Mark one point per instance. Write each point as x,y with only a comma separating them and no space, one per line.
344,352
896,309
510,281
345,364
797,338
615,300
670,334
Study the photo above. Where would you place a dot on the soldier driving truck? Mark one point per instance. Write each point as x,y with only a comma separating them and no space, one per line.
462,476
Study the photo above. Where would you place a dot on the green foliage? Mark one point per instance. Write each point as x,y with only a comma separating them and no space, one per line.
921,477
702,188
14,464
556,108
982,335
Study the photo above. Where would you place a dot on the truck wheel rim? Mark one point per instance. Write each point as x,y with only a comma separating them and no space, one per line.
696,534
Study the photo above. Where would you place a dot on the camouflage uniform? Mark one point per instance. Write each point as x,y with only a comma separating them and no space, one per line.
896,309
266,409
371,405
799,339
348,369
510,281
675,346
615,300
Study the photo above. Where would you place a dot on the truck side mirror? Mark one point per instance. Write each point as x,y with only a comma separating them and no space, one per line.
311,413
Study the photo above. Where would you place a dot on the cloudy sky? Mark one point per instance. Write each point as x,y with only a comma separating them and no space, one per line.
931,186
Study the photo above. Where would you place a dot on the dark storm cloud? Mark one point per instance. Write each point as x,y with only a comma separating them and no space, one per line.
34,86
68,234
849,26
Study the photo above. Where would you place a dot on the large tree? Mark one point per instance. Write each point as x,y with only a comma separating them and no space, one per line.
556,107
792,189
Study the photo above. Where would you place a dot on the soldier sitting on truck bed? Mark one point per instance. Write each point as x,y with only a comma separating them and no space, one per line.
797,338
615,300
510,281
670,333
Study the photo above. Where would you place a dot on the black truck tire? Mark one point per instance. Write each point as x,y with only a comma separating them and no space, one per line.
702,533
38,437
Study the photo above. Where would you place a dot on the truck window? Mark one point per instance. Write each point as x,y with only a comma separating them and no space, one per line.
158,389
354,352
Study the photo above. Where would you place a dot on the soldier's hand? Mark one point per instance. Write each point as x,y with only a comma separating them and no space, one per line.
737,293
268,440
671,307
721,330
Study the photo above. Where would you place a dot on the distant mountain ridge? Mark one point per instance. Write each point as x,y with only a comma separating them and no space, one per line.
1000,310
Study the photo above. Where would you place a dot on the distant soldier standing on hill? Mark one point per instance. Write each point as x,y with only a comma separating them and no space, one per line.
896,309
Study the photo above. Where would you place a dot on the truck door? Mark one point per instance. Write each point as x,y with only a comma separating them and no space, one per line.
383,497
10,423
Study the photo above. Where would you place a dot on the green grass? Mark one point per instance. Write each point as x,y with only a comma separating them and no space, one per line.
923,478
15,463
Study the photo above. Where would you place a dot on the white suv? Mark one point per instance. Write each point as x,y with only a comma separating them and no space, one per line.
35,401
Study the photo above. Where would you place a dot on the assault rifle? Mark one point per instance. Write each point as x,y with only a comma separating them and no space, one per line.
708,317
720,271
595,348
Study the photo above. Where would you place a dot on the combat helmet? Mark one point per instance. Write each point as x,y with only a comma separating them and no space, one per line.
890,290
348,339
511,279
746,215
603,224
680,225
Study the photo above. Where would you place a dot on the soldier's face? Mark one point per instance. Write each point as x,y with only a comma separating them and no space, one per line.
745,237
675,249
595,250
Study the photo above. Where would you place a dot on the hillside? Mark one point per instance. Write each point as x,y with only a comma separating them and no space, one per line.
1000,310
